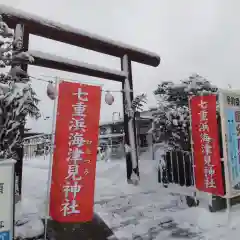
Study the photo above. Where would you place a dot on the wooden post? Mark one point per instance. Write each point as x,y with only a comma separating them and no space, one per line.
22,34
129,120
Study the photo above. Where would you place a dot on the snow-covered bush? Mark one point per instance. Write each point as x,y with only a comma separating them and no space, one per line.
171,120
17,98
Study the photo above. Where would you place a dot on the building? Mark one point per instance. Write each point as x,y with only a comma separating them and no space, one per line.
111,134
111,137
36,144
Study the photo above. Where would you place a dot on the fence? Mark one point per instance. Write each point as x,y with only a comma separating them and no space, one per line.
176,167
32,150
37,145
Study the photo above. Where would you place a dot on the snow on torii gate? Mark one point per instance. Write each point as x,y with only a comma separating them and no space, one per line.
32,24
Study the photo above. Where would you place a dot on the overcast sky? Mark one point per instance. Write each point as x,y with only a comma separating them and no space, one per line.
191,36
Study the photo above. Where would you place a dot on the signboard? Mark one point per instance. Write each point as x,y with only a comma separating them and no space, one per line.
6,199
75,152
230,121
206,151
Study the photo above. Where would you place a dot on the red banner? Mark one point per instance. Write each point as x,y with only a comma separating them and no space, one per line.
206,150
75,152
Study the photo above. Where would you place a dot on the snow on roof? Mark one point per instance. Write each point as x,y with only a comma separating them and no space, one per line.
111,135
152,108
143,118
146,117
36,136
110,122
148,114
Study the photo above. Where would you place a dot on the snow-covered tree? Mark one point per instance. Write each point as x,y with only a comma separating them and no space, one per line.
138,103
17,98
172,117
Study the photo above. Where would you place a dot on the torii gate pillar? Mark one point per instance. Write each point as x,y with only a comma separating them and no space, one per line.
129,120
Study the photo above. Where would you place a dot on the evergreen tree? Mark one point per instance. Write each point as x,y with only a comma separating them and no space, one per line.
172,119
17,98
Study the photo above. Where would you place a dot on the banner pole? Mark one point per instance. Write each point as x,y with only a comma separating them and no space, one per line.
225,156
192,154
54,115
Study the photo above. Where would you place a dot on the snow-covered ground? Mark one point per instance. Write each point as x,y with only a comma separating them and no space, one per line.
147,211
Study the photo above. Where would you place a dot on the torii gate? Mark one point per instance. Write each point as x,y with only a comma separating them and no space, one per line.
32,24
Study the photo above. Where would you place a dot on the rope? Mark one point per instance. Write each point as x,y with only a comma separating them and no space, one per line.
50,81
55,77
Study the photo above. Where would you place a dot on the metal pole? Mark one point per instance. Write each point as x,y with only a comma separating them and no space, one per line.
50,161
225,155
13,199
152,141
192,154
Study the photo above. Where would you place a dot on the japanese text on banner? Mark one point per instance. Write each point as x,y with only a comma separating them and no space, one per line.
77,128
206,146
75,151
206,150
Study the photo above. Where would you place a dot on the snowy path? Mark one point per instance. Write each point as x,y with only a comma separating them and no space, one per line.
139,212
144,215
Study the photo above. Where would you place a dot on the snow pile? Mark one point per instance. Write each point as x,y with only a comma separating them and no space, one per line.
27,220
